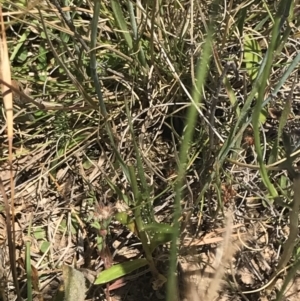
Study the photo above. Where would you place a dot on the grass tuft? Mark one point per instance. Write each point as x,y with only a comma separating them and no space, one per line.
131,131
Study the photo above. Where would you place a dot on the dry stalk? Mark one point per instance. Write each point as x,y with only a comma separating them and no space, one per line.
8,105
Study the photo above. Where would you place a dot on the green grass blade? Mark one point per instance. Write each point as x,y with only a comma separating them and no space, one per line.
258,107
295,62
139,215
119,17
201,70
252,56
120,270
20,43
137,48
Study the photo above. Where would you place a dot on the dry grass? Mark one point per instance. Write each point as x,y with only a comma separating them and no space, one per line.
71,160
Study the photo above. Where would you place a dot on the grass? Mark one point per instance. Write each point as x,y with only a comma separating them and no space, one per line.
140,126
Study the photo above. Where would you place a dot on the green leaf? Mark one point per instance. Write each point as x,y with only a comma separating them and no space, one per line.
42,57
160,234
87,164
22,3
159,239
22,57
159,228
64,37
100,243
44,246
120,270
241,17
96,225
63,225
39,233
126,221
19,45
119,17
263,116
39,114
252,56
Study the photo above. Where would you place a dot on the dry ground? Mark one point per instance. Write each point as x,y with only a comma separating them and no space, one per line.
67,176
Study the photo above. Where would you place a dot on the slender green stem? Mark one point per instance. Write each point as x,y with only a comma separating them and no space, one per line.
191,117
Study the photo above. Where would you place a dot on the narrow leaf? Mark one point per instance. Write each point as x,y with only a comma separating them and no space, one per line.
121,22
252,56
120,270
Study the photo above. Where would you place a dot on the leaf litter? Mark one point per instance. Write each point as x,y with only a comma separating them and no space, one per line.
55,184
